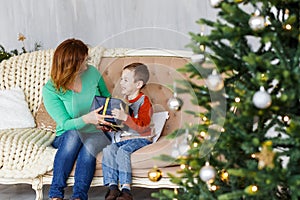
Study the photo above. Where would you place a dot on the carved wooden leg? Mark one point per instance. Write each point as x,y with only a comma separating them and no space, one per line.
37,185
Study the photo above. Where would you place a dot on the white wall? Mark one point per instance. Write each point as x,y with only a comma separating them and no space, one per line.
110,23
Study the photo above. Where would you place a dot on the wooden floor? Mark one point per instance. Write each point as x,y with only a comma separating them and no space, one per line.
24,192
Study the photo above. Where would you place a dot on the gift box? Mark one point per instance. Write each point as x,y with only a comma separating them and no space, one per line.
109,103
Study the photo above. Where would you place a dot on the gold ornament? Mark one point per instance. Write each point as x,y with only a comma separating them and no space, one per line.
154,174
224,176
265,156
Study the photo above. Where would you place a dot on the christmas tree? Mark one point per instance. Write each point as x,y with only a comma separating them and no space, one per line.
247,145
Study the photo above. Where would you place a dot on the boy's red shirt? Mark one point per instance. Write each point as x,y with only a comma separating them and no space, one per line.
142,123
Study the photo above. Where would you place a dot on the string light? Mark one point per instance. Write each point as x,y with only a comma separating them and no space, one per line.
195,144
213,188
288,27
237,99
202,48
203,134
251,189
175,191
182,166
286,118
254,188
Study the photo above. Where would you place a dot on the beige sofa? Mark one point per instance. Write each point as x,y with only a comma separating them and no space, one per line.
26,155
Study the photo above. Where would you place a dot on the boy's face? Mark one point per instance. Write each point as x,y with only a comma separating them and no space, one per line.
128,86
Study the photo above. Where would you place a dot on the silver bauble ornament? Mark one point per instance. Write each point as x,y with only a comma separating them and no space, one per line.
207,173
214,82
257,23
261,99
175,103
215,3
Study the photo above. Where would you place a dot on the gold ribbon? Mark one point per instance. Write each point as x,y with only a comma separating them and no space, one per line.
105,105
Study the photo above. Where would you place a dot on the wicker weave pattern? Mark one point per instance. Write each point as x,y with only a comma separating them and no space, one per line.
29,71
25,153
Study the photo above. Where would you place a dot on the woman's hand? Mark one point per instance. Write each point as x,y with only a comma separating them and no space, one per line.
95,118
119,113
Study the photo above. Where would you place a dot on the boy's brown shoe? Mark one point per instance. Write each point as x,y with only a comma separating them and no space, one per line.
112,194
125,196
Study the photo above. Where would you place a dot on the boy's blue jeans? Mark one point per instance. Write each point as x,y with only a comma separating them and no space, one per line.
116,162
83,147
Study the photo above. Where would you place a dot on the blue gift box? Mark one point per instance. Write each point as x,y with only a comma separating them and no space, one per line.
109,103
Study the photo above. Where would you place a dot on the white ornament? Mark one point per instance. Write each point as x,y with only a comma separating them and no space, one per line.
198,58
257,23
184,146
261,99
175,151
207,173
215,3
214,81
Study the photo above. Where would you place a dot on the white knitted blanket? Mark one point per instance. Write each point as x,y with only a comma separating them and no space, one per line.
26,153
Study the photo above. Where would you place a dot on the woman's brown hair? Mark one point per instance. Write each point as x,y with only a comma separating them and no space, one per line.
67,60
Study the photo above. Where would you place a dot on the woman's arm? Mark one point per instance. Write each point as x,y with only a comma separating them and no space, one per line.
103,89
56,109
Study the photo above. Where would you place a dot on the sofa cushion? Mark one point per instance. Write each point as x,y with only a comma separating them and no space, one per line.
14,111
43,119
159,120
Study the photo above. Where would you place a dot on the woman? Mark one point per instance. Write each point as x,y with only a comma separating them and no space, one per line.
68,96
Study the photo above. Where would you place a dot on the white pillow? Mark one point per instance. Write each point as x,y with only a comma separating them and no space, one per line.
159,119
14,111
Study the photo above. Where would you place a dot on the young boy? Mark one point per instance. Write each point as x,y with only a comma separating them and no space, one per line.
116,163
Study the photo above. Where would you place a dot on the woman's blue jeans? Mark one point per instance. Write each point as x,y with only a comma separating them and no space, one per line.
116,161
83,147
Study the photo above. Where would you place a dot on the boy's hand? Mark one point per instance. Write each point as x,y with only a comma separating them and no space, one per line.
119,113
